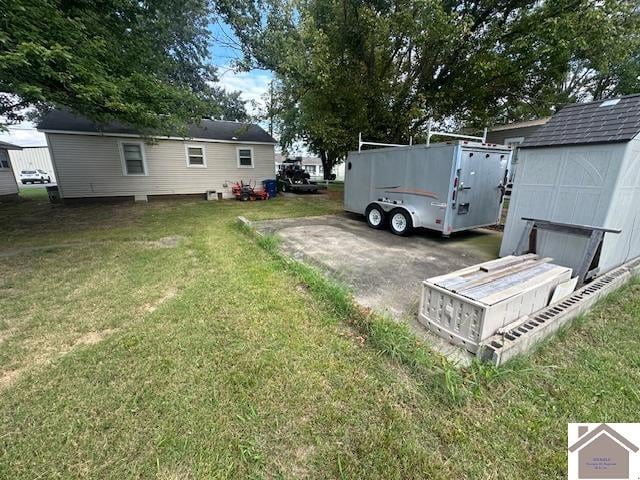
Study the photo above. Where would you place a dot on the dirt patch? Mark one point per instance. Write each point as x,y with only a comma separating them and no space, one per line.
5,334
168,295
91,338
171,241
303,455
47,352
176,473
9,377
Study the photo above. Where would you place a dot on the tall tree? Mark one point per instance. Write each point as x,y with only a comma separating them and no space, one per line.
230,105
144,63
385,68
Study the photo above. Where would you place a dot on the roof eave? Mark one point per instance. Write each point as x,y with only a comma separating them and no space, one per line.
157,137
572,144
516,125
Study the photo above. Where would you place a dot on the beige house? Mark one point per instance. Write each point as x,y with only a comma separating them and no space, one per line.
8,185
113,160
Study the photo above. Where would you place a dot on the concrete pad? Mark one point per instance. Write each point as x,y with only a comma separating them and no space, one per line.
384,271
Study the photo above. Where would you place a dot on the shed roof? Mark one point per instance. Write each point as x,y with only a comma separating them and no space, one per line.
605,121
65,121
9,146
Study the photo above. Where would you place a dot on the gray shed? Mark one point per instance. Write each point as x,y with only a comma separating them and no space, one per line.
581,167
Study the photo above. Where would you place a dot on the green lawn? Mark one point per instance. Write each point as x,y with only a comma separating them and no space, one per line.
162,341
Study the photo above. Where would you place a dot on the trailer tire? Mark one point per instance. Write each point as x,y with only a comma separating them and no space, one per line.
376,216
400,222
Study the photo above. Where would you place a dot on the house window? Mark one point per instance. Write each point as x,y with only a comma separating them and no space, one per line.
4,159
245,157
195,156
133,161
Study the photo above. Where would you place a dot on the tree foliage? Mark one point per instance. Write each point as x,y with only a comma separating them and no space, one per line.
144,63
386,67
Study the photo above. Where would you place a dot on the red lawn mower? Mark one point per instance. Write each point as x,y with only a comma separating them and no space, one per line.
246,192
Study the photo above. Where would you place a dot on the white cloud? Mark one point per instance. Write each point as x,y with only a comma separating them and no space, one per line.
24,135
252,84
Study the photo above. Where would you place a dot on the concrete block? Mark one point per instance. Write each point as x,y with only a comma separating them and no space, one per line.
502,347
469,306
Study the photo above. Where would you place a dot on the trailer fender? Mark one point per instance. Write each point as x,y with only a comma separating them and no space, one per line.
415,219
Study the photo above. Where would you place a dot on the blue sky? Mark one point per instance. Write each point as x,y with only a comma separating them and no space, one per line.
252,84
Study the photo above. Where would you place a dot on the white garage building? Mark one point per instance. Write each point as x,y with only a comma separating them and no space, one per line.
32,158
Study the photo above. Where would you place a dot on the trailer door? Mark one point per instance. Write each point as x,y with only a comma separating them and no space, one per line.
357,182
479,193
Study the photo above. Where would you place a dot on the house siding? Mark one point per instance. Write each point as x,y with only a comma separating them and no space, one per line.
499,136
91,166
8,185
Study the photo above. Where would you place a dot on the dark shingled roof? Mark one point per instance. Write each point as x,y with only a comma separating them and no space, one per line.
9,146
604,121
64,120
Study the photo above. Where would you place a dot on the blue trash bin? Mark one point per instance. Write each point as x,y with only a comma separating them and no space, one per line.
271,186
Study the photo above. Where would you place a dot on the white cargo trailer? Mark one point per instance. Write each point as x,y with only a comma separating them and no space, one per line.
448,187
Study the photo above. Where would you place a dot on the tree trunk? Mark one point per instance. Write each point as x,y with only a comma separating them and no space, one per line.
328,159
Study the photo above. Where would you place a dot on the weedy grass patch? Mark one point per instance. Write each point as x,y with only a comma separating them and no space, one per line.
211,356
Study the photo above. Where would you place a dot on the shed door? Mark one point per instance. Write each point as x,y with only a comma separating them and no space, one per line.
479,196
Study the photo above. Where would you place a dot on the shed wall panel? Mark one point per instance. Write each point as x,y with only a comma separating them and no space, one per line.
91,166
572,184
624,212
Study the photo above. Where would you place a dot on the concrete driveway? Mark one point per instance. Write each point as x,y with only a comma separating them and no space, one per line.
384,271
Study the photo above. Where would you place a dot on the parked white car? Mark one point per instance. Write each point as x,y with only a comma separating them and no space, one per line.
33,176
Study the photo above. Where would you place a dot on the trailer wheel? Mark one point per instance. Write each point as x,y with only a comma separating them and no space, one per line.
400,222
376,217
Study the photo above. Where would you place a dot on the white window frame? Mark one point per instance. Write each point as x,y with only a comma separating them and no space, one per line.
513,142
8,158
121,144
517,140
253,161
204,156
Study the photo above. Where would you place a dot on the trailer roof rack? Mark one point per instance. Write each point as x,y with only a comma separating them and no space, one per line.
430,133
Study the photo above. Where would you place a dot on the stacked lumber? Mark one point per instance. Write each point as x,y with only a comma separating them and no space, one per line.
472,304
